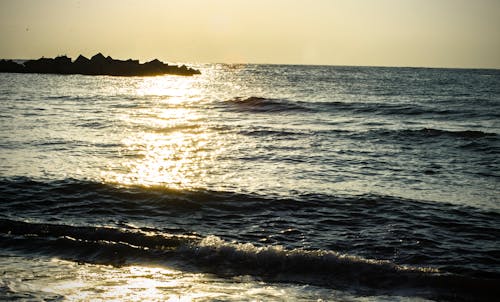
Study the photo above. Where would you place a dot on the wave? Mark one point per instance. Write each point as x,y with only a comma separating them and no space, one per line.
276,105
433,133
484,143
113,246
93,124
411,232
466,134
369,134
27,193
288,134
406,109
260,104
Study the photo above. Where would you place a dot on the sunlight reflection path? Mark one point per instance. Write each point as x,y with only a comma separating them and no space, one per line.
90,282
56,280
168,142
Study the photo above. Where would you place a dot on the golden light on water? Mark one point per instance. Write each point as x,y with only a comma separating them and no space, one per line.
70,281
168,144
171,159
133,283
177,89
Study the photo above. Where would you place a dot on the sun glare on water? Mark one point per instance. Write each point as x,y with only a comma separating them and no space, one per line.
71,281
167,142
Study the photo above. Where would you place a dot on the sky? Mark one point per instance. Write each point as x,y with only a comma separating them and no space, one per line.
420,33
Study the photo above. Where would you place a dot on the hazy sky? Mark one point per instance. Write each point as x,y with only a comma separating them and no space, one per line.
434,33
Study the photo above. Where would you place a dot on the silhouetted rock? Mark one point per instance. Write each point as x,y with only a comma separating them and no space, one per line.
62,64
82,65
82,60
10,66
96,65
99,58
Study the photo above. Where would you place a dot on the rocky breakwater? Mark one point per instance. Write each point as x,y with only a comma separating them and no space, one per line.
97,65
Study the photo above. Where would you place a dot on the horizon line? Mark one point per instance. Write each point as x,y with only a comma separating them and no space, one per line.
286,64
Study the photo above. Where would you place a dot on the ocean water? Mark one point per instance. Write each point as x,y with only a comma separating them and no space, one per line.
251,183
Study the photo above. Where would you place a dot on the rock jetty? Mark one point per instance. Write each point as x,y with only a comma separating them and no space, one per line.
97,65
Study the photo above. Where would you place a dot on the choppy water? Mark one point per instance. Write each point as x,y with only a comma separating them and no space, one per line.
251,182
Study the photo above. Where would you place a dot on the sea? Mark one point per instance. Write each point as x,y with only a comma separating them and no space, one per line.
251,183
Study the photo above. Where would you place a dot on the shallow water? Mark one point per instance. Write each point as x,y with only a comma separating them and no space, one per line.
258,182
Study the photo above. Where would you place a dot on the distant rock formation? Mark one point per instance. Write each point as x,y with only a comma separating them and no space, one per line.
97,65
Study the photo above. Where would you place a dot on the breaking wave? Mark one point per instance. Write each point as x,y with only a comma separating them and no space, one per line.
118,247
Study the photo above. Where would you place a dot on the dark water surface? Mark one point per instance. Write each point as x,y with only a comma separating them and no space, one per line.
253,182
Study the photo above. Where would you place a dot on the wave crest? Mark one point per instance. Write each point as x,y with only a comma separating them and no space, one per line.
260,104
466,134
112,246
433,133
270,258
